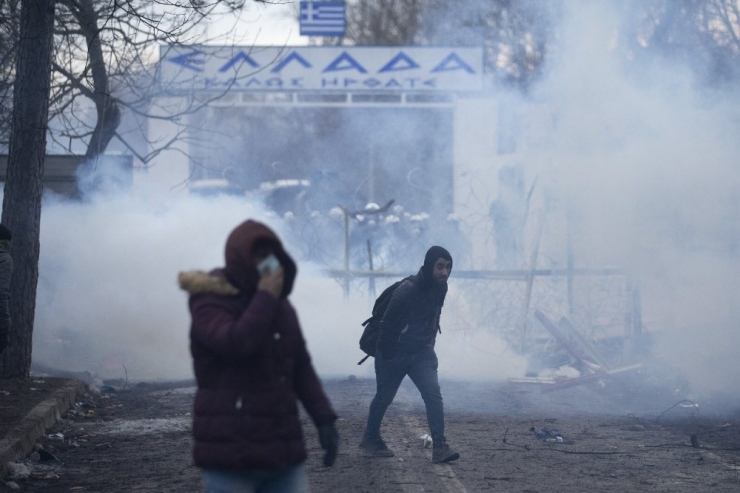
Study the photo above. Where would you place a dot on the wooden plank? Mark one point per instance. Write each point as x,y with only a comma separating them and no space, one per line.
540,380
568,327
575,352
572,382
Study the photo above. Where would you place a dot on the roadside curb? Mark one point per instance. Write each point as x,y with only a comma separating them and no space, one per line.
20,440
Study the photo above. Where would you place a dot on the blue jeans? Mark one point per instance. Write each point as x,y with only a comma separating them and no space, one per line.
421,367
292,480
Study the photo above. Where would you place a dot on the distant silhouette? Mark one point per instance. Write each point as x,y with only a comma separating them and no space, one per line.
509,214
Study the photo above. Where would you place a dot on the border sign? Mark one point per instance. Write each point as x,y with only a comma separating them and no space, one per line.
188,69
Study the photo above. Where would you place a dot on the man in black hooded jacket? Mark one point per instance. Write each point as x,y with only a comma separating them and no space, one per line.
408,331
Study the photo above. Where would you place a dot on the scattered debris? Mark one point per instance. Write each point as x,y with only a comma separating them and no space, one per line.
545,380
593,377
45,456
56,437
589,361
425,441
49,475
17,470
545,433
694,441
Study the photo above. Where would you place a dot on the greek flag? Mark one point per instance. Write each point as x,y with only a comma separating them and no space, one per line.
322,18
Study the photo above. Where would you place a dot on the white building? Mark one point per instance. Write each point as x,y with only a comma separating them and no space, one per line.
417,125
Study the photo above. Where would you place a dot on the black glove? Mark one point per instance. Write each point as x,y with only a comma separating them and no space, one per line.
329,439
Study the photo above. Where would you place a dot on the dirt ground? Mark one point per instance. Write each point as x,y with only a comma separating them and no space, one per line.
615,438
18,397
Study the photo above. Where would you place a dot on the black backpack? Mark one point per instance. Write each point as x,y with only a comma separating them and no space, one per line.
371,334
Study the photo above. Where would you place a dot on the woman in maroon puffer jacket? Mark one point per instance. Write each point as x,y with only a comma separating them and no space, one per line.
251,366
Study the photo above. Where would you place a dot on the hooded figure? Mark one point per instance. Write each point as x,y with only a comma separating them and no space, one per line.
408,333
251,367
411,321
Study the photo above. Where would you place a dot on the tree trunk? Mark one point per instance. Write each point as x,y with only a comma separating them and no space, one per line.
23,185
109,114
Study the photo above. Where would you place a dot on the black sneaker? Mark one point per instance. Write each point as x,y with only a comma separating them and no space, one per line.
376,447
443,453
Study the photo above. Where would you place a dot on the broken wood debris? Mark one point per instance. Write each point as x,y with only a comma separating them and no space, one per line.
586,356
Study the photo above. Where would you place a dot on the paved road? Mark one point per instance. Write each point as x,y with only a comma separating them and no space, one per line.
139,440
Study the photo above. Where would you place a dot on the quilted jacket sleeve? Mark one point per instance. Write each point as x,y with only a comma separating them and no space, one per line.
229,334
307,387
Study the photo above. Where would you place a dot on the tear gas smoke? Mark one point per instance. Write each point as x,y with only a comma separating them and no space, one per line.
647,164
640,155
108,300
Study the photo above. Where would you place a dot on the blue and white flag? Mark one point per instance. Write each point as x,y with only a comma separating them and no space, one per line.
322,19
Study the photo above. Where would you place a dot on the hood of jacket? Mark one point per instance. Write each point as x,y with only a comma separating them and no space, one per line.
425,276
241,270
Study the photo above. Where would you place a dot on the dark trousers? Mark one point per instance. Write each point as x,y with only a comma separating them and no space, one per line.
421,367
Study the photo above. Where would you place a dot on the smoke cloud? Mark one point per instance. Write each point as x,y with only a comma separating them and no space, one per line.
645,158
639,161
108,300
